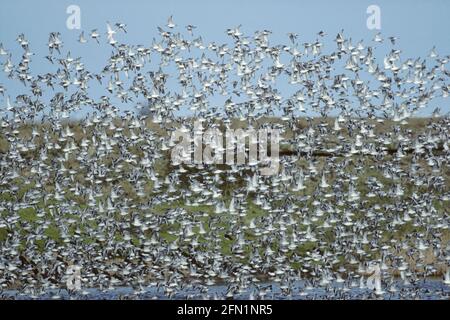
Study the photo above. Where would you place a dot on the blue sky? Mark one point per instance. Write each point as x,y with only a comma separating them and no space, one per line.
420,25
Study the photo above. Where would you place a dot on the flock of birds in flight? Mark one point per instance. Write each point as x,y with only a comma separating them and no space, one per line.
361,195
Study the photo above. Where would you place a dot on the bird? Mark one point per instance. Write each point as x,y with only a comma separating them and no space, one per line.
354,208
170,23
95,35
190,28
110,33
81,38
121,26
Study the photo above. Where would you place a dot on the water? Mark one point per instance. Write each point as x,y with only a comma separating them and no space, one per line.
429,289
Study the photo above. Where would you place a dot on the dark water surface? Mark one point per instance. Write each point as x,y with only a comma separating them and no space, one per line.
429,289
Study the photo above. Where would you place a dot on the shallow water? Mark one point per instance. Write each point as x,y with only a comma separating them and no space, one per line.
429,289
